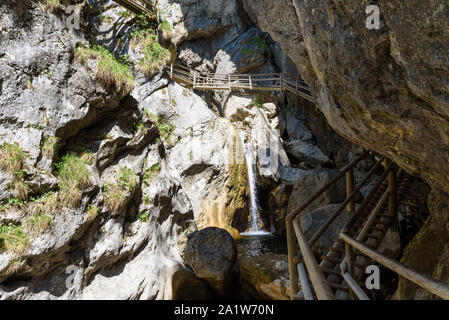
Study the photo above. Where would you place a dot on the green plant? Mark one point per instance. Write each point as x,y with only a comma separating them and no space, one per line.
257,102
144,216
151,172
50,146
92,211
173,102
115,194
110,72
186,93
51,5
37,224
146,200
165,128
154,56
73,176
12,157
127,178
167,32
138,127
13,239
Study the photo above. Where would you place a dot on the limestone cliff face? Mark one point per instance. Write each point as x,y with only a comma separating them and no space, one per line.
384,89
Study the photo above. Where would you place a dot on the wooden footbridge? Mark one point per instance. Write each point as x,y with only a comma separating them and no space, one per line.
138,7
340,271
249,82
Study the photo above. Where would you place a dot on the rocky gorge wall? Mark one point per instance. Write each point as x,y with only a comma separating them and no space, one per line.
161,161
102,178
385,89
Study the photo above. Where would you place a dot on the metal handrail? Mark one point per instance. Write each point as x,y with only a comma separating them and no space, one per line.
351,282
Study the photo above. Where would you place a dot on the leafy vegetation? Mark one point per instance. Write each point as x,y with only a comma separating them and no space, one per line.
165,128
154,56
151,172
165,27
13,239
73,176
110,72
144,216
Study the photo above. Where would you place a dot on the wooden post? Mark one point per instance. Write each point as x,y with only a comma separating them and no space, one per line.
280,82
350,262
194,80
250,82
171,71
296,86
291,246
229,79
349,190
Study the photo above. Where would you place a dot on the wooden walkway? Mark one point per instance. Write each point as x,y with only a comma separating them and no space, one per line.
256,82
138,6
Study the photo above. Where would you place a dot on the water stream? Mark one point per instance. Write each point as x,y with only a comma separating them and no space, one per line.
254,206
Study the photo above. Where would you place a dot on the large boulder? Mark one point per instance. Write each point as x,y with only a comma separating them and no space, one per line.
212,254
306,151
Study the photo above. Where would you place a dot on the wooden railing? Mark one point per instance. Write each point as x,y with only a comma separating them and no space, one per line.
320,285
256,82
138,6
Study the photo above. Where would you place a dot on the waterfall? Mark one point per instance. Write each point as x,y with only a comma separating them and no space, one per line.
254,206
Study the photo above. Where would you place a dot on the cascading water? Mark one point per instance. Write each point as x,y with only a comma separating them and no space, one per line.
254,207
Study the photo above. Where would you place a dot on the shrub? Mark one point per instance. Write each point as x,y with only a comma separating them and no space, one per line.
13,239
73,176
110,72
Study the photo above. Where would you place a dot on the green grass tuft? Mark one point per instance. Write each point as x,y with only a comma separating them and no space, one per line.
12,157
73,176
110,72
154,55
13,240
